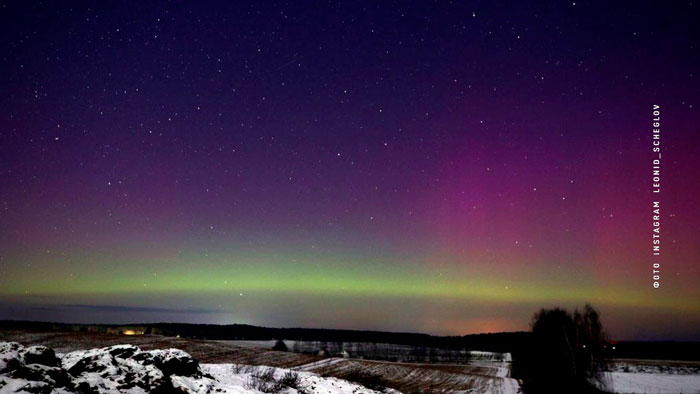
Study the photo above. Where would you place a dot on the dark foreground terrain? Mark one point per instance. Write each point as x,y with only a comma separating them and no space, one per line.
478,376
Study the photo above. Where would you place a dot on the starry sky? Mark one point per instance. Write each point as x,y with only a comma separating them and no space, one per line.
440,167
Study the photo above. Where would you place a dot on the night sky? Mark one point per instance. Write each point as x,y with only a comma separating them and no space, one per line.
442,167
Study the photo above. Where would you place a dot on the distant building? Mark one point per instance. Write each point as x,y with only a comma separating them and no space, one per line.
126,330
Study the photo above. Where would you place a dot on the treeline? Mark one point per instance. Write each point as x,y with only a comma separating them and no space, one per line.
496,342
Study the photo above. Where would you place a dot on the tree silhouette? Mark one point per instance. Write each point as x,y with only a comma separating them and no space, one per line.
591,343
567,352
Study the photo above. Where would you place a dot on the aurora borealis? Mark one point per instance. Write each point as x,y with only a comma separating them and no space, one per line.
439,167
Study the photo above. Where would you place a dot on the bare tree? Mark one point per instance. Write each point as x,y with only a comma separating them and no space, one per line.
591,342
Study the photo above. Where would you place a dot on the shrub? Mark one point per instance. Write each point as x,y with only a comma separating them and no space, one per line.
242,368
264,381
280,346
290,379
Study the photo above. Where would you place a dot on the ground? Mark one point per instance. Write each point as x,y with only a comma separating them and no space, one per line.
480,376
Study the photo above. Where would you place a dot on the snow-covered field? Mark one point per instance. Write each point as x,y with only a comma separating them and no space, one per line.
241,381
492,378
649,383
128,369
377,351
652,377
